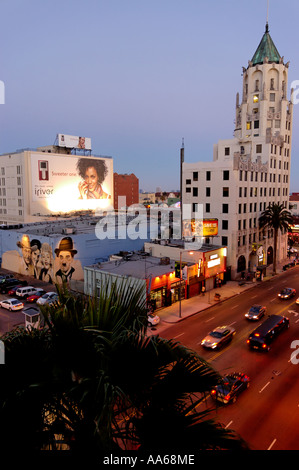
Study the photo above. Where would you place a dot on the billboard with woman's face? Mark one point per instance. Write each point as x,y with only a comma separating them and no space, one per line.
69,183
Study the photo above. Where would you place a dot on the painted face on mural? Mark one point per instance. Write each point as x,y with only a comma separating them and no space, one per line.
65,259
35,255
26,252
46,259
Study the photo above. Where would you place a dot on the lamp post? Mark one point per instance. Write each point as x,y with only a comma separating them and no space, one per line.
180,294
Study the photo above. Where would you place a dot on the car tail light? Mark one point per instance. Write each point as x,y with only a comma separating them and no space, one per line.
264,345
213,392
248,341
256,334
227,397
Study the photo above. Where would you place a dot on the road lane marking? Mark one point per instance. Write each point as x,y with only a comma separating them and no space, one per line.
272,444
228,424
273,300
235,306
232,323
177,336
270,288
212,318
253,297
264,387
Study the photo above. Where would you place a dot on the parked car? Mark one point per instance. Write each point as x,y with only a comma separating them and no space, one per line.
228,390
153,319
34,297
255,312
218,337
12,290
11,304
287,293
3,277
25,291
48,298
9,283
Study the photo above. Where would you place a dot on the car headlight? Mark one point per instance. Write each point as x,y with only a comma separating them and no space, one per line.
214,345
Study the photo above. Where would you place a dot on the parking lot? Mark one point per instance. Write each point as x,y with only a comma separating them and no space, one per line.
10,320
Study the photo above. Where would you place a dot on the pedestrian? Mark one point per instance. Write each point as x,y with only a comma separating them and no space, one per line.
203,289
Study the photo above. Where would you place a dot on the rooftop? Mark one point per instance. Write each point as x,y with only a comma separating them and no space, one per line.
266,48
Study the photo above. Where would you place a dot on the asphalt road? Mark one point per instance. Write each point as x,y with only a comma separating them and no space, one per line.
266,415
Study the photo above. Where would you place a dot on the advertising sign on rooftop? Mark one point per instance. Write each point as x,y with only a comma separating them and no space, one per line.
74,142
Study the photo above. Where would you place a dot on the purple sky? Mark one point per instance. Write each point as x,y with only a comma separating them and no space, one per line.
136,76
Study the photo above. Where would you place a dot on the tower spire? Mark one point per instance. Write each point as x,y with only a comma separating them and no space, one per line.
267,21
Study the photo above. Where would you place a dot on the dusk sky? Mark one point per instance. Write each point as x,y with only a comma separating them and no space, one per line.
136,76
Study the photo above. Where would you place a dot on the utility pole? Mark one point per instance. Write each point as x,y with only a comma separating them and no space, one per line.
181,185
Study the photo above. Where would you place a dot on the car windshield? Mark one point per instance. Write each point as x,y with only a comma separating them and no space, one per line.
255,309
15,302
285,291
216,334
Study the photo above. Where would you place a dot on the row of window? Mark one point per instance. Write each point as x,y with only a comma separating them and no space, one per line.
243,175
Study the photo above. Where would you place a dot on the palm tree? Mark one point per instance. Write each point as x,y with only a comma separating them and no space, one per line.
278,218
93,379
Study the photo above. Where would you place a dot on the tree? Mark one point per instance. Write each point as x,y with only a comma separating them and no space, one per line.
278,218
91,381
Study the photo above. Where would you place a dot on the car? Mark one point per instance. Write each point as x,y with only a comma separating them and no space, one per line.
255,312
230,387
34,297
153,319
297,301
47,298
9,283
287,293
4,277
262,337
12,290
11,304
218,337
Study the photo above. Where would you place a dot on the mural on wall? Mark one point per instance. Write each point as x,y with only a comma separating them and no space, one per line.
35,258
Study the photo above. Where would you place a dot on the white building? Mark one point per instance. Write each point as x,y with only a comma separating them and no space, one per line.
251,170
38,184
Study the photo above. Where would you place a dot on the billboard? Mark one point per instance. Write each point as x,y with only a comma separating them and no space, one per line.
70,183
200,228
74,142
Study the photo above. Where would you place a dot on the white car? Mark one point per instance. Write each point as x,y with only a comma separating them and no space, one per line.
47,298
153,319
11,304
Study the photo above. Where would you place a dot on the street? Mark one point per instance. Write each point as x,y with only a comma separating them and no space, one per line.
266,415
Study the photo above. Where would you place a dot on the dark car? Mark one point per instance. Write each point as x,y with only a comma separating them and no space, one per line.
231,386
287,293
3,277
262,337
9,283
255,312
218,337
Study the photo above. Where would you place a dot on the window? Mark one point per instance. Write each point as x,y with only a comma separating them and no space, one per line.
256,124
224,241
225,208
224,224
259,148
272,96
272,84
208,207
248,125
195,175
195,207
226,174
225,192
226,151
255,98
208,176
188,190
240,191
208,192
188,181
195,192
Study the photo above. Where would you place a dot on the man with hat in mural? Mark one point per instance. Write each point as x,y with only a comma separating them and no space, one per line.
26,266
65,254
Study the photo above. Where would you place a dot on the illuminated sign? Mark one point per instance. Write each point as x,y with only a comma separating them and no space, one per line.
70,183
213,262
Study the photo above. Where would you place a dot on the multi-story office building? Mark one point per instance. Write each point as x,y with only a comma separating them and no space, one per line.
48,181
126,187
251,170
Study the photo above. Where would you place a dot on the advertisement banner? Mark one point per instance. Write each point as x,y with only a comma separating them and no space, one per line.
74,142
70,183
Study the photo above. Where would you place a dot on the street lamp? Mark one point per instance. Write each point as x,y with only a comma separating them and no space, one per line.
180,295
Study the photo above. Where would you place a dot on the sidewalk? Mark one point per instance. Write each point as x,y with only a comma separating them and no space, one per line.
202,302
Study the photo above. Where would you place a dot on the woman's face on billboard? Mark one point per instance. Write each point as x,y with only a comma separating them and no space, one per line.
91,178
